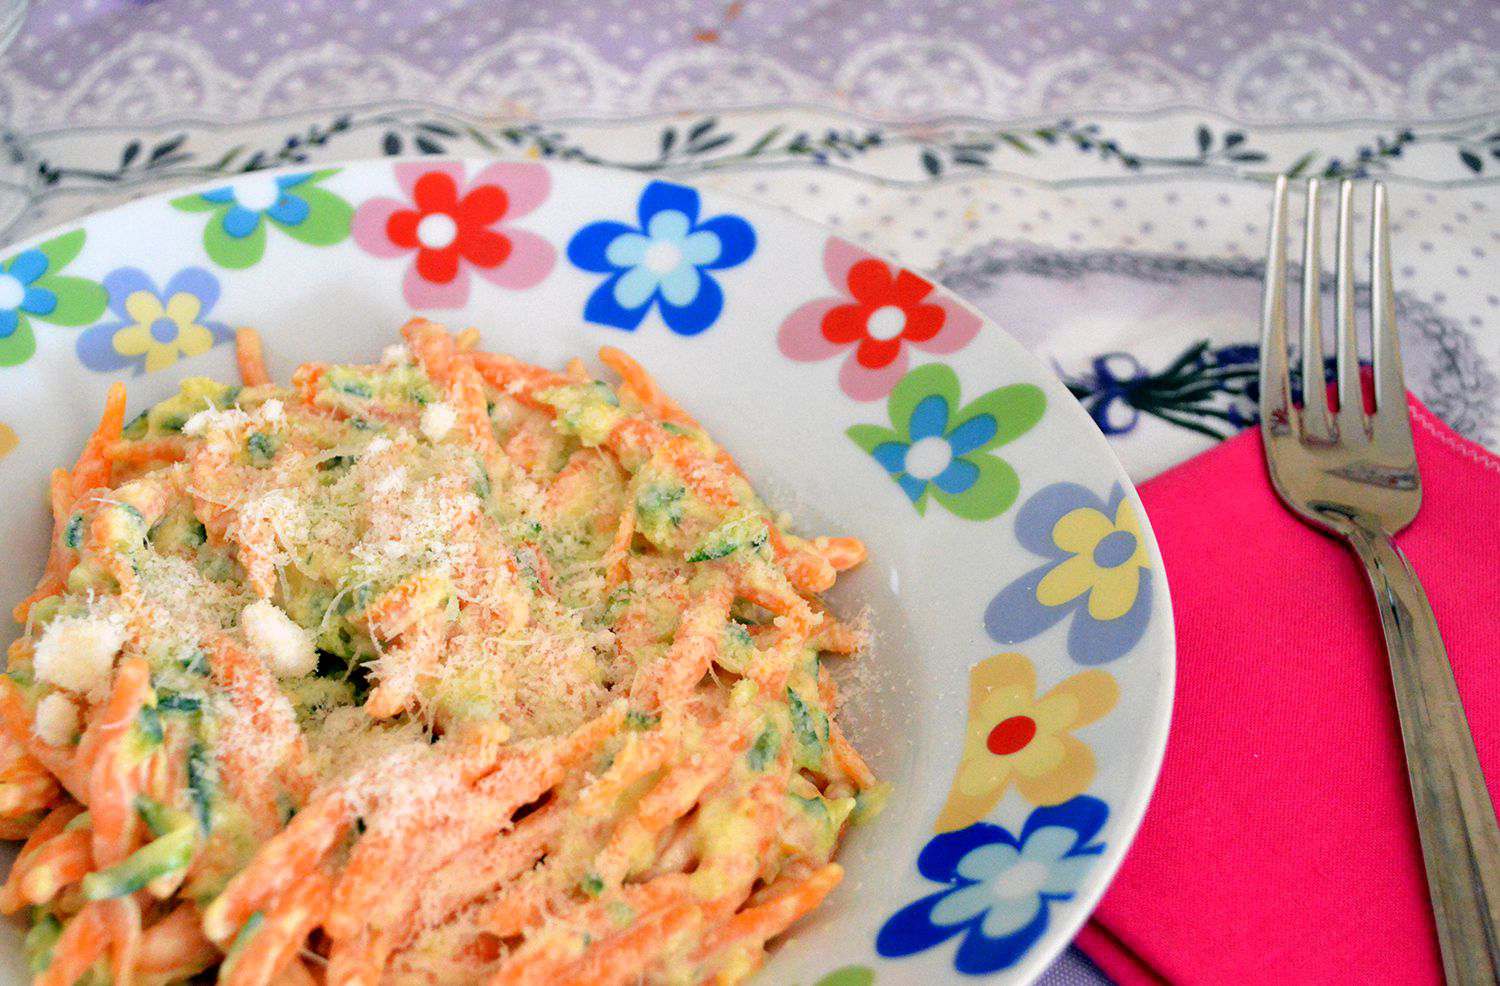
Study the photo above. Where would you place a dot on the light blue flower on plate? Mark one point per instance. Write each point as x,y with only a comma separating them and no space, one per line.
1009,882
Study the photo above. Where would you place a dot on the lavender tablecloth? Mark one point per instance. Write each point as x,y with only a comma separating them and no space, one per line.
1092,173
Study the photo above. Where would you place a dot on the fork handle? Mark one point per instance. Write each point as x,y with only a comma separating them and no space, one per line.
1456,820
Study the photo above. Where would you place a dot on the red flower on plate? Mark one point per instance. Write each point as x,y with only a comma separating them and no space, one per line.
453,227
885,311
443,227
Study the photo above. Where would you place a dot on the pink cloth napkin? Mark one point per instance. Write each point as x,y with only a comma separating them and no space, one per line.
1281,845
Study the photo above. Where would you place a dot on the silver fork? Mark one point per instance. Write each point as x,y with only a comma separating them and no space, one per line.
1355,476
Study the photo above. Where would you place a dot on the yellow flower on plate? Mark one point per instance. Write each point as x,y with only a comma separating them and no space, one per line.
163,332
1108,556
8,440
1015,737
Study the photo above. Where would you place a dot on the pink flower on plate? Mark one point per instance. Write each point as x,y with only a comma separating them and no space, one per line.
451,228
883,311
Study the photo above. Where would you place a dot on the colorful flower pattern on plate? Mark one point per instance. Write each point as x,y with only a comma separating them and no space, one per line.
666,261
1097,571
938,448
1015,737
33,288
154,327
1001,887
882,310
240,214
9,440
452,227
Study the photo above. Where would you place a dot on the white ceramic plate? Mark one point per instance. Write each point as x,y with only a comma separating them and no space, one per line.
1019,688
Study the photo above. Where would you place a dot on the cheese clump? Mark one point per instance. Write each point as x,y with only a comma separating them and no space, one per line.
281,643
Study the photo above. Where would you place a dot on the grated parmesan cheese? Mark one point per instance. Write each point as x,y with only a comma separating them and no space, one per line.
345,741
437,420
391,483
78,652
56,720
281,643
213,419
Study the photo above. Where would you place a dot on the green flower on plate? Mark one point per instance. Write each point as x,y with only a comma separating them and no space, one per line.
939,449
33,288
849,975
241,213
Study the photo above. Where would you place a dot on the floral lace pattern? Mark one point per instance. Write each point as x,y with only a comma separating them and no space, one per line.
900,63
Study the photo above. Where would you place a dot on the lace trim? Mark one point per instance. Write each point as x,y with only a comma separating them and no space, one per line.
157,76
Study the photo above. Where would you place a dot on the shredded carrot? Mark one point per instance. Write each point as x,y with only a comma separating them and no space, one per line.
18,828
787,901
170,449
643,387
575,662
842,553
298,974
521,775
433,348
306,380
93,467
249,685
481,869
808,570
63,860
175,947
123,915
113,782
692,651
275,943
84,939
292,854
466,391
11,897
251,358
516,379
672,797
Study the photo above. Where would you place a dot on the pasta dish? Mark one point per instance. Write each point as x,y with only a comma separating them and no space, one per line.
444,669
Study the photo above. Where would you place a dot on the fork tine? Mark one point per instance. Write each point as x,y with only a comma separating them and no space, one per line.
1391,418
1276,414
1351,416
1316,423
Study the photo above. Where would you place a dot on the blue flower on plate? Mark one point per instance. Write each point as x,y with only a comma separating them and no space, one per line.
240,214
242,218
1097,570
1001,887
34,289
154,327
942,448
665,261
20,295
